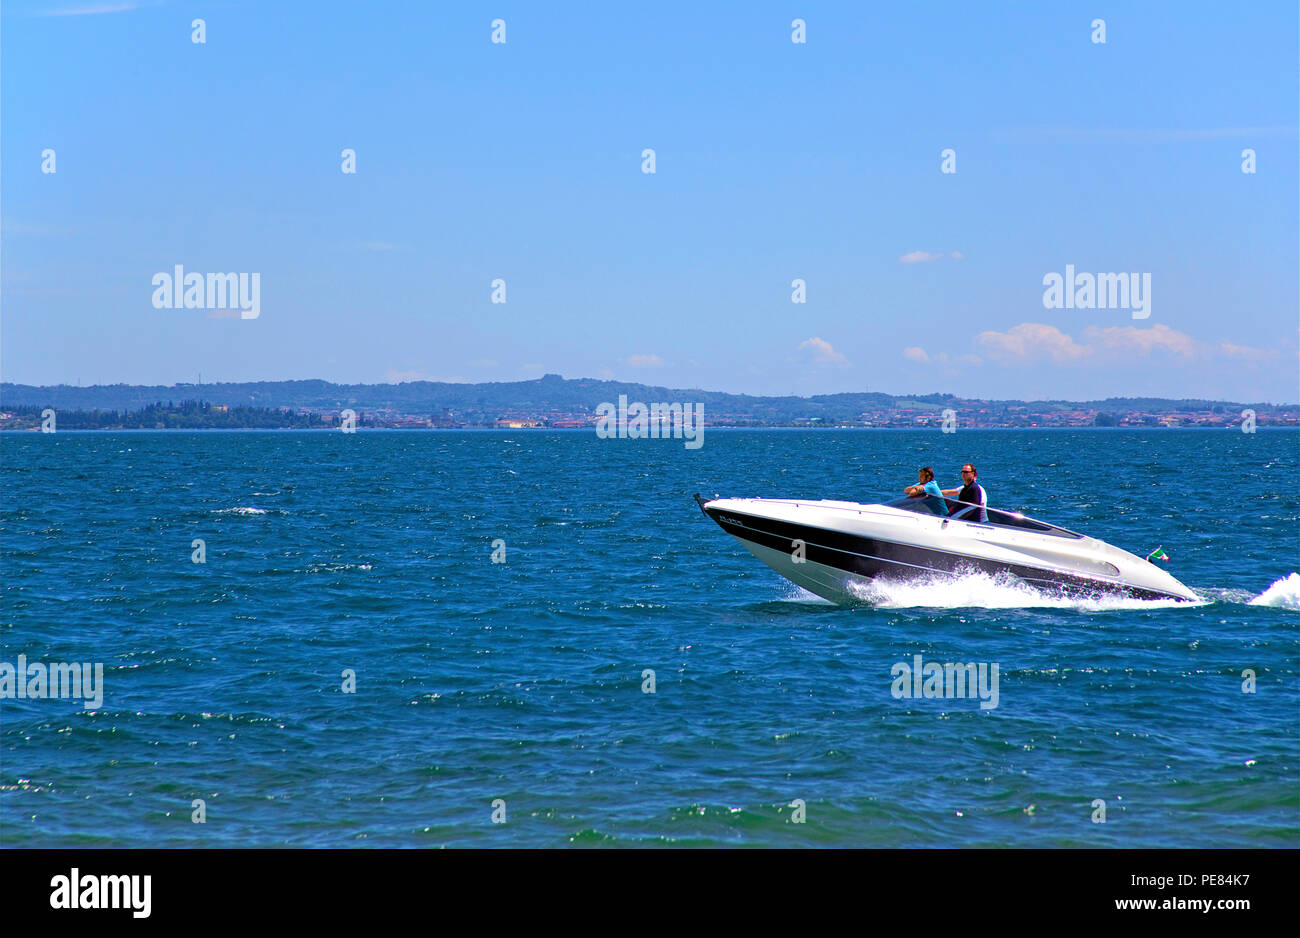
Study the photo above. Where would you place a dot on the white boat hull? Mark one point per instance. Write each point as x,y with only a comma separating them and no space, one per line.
835,548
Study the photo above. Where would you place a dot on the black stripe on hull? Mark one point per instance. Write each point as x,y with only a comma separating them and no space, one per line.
870,557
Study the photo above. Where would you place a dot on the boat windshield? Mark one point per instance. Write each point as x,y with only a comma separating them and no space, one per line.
965,511
923,505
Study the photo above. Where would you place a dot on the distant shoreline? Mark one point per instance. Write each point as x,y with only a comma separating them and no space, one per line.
554,402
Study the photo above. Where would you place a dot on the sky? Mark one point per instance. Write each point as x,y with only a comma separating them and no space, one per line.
775,161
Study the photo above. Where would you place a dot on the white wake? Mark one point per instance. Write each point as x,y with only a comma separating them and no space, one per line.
1284,594
985,591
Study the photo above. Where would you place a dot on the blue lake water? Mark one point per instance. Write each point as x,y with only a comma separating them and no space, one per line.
523,680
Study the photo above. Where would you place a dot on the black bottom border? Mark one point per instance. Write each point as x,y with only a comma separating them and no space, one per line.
334,887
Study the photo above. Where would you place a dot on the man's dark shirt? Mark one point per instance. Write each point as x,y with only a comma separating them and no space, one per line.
973,492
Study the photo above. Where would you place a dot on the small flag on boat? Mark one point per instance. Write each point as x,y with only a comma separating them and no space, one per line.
1158,554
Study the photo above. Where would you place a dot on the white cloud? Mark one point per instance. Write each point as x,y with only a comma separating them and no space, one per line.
1030,341
645,361
1036,341
948,362
1246,353
823,352
1131,339
921,257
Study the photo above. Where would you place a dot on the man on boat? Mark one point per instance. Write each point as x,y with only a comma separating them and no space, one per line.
929,489
971,492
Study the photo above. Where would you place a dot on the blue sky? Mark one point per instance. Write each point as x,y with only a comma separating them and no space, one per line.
774,161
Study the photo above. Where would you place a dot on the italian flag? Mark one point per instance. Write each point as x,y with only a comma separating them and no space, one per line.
1158,554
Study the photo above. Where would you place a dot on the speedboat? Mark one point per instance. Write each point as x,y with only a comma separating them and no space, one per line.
834,548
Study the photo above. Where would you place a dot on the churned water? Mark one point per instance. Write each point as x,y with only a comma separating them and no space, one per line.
524,681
